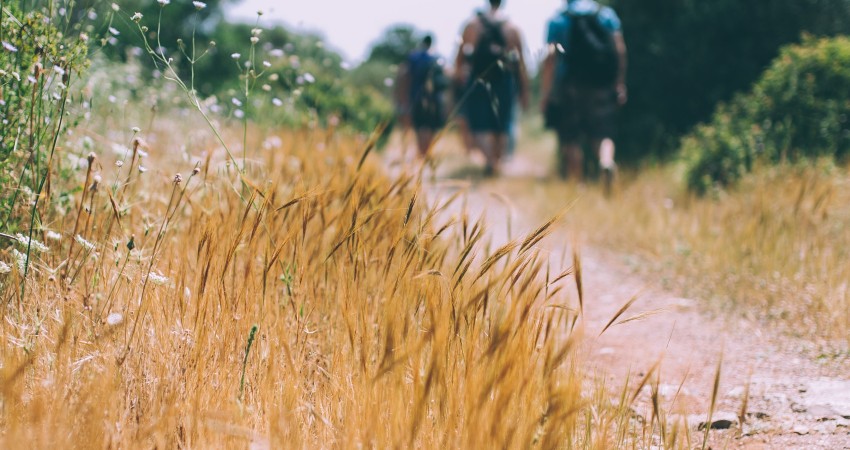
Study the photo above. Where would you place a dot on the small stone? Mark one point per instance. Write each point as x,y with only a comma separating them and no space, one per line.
719,421
798,408
758,415
737,392
822,413
802,430
834,394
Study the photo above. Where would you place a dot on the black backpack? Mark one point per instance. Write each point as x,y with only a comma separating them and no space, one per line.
591,53
488,58
429,101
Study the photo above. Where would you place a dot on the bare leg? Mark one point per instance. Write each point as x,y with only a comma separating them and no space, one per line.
424,139
573,157
487,142
605,150
500,147
465,135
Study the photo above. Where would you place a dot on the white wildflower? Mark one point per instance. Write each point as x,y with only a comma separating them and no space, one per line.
25,242
239,113
115,7
267,64
308,77
9,47
157,278
256,31
86,244
236,101
136,129
60,71
20,260
235,55
277,102
113,31
114,319
199,5
52,235
277,53
5,268
163,2
254,39
142,169
137,17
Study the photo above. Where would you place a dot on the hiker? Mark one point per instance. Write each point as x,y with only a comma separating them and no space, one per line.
422,83
583,84
490,64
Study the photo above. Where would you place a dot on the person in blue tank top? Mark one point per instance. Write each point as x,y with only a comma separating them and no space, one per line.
583,84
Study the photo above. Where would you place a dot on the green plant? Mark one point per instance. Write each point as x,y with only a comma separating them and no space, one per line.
799,109
40,56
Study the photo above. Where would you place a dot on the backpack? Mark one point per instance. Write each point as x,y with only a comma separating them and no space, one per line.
591,53
429,84
488,58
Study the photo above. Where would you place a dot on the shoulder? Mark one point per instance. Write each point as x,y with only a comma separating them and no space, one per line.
556,26
609,18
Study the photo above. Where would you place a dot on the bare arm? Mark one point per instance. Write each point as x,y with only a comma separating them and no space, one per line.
522,74
622,54
467,38
402,86
547,76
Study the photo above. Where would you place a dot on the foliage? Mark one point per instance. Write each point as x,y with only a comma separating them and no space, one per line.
798,109
41,55
268,75
395,44
686,56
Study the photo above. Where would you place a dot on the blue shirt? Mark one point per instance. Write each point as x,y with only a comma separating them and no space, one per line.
559,26
419,64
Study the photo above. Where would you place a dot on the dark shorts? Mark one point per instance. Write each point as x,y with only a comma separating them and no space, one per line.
489,107
428,115
584,112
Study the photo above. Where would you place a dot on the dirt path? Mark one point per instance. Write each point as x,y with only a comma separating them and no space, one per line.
793,402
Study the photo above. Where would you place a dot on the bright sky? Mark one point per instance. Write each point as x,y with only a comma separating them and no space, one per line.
351,26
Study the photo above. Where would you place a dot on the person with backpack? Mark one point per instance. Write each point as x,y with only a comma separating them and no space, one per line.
583,84
421,86
491,66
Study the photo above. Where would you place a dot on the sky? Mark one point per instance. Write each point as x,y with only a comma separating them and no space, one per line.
351,26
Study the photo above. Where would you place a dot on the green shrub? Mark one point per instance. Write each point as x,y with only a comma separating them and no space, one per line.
41,56
799,109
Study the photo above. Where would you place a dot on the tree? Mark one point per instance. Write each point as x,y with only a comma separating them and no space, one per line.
686,56
394,45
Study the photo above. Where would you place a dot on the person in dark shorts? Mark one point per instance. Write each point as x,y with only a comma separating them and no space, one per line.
583,84
422,83
490,64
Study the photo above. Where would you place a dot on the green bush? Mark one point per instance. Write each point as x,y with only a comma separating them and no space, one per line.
41,55
687,56
799,109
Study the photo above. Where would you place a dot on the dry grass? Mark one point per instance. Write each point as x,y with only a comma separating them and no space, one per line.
311,303
774,249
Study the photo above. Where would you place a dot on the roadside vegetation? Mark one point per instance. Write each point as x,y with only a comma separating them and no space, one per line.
190,262
186,278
